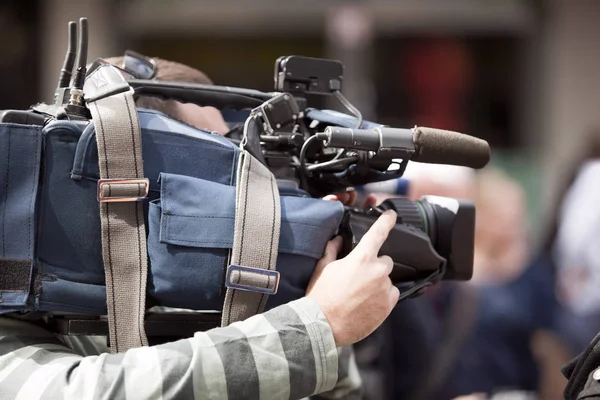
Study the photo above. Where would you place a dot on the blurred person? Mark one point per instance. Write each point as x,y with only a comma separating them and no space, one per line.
555,286
347,299
440,180
501,242
476,336
513,300
570,252
576,257
421,179
395,358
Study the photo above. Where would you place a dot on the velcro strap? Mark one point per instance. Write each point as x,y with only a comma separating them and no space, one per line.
20,159
14,275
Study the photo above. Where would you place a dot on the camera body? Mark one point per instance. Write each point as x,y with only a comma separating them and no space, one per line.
433,238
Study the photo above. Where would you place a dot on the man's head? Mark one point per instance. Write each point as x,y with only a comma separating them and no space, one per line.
208,118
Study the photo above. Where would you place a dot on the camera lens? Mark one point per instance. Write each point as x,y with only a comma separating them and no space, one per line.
450,225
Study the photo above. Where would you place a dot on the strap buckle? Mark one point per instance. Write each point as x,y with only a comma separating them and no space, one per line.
240,269
122,190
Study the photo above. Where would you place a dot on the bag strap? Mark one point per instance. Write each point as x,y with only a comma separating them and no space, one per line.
121,186
251,275
459,322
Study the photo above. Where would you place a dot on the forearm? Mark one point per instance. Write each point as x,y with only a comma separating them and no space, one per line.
288,352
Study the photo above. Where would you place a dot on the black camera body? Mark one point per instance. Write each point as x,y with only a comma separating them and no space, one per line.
433,238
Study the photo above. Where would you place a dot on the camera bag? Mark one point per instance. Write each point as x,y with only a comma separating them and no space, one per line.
140,210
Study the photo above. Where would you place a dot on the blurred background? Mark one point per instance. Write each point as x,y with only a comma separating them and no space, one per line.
522,74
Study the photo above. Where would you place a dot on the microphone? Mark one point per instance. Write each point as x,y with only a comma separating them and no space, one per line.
439,146
426,145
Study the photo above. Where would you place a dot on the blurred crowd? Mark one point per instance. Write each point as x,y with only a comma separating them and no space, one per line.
529,309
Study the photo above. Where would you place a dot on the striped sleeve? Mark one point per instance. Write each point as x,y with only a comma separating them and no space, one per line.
287,352
349,384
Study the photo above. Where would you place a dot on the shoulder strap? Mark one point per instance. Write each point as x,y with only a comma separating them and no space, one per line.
121,186
459,322
252,274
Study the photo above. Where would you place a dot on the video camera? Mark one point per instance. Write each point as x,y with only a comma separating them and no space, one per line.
434,237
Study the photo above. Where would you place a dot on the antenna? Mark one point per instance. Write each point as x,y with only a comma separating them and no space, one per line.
75,108
67,68
79,77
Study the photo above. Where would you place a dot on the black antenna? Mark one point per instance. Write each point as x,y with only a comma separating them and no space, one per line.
79,77
75,108
67,68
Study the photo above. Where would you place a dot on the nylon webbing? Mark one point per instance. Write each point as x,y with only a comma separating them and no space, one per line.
255,242
123,232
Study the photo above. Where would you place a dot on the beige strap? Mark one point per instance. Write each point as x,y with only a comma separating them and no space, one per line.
252,275
121,185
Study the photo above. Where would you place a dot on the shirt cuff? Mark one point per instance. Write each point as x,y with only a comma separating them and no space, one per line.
323,344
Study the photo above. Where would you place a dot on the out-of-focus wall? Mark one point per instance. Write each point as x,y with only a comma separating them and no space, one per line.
570,86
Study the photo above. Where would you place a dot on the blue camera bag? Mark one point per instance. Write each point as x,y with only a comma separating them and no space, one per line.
50,248
191,213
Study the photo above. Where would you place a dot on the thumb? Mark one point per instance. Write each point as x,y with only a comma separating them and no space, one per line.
331,251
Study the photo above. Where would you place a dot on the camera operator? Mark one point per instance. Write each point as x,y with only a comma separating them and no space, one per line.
293,351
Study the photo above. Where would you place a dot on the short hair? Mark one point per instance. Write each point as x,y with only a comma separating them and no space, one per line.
169,71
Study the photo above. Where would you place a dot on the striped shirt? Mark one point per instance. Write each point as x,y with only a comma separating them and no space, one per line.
285,353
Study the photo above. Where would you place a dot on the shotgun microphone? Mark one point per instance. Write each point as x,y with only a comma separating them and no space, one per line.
426,145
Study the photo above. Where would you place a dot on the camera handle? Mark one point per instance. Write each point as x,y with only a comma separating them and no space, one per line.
202,95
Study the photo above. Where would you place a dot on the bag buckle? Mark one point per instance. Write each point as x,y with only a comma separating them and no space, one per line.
122,190
237,271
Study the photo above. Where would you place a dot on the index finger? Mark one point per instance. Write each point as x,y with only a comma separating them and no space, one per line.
377,234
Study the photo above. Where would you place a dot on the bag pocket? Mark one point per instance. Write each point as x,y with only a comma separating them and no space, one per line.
191,229
20,155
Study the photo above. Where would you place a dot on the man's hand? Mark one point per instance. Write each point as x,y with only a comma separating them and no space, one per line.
349,199
356,293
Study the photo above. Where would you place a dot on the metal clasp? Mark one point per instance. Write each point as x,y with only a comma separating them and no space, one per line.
115,182
266,272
